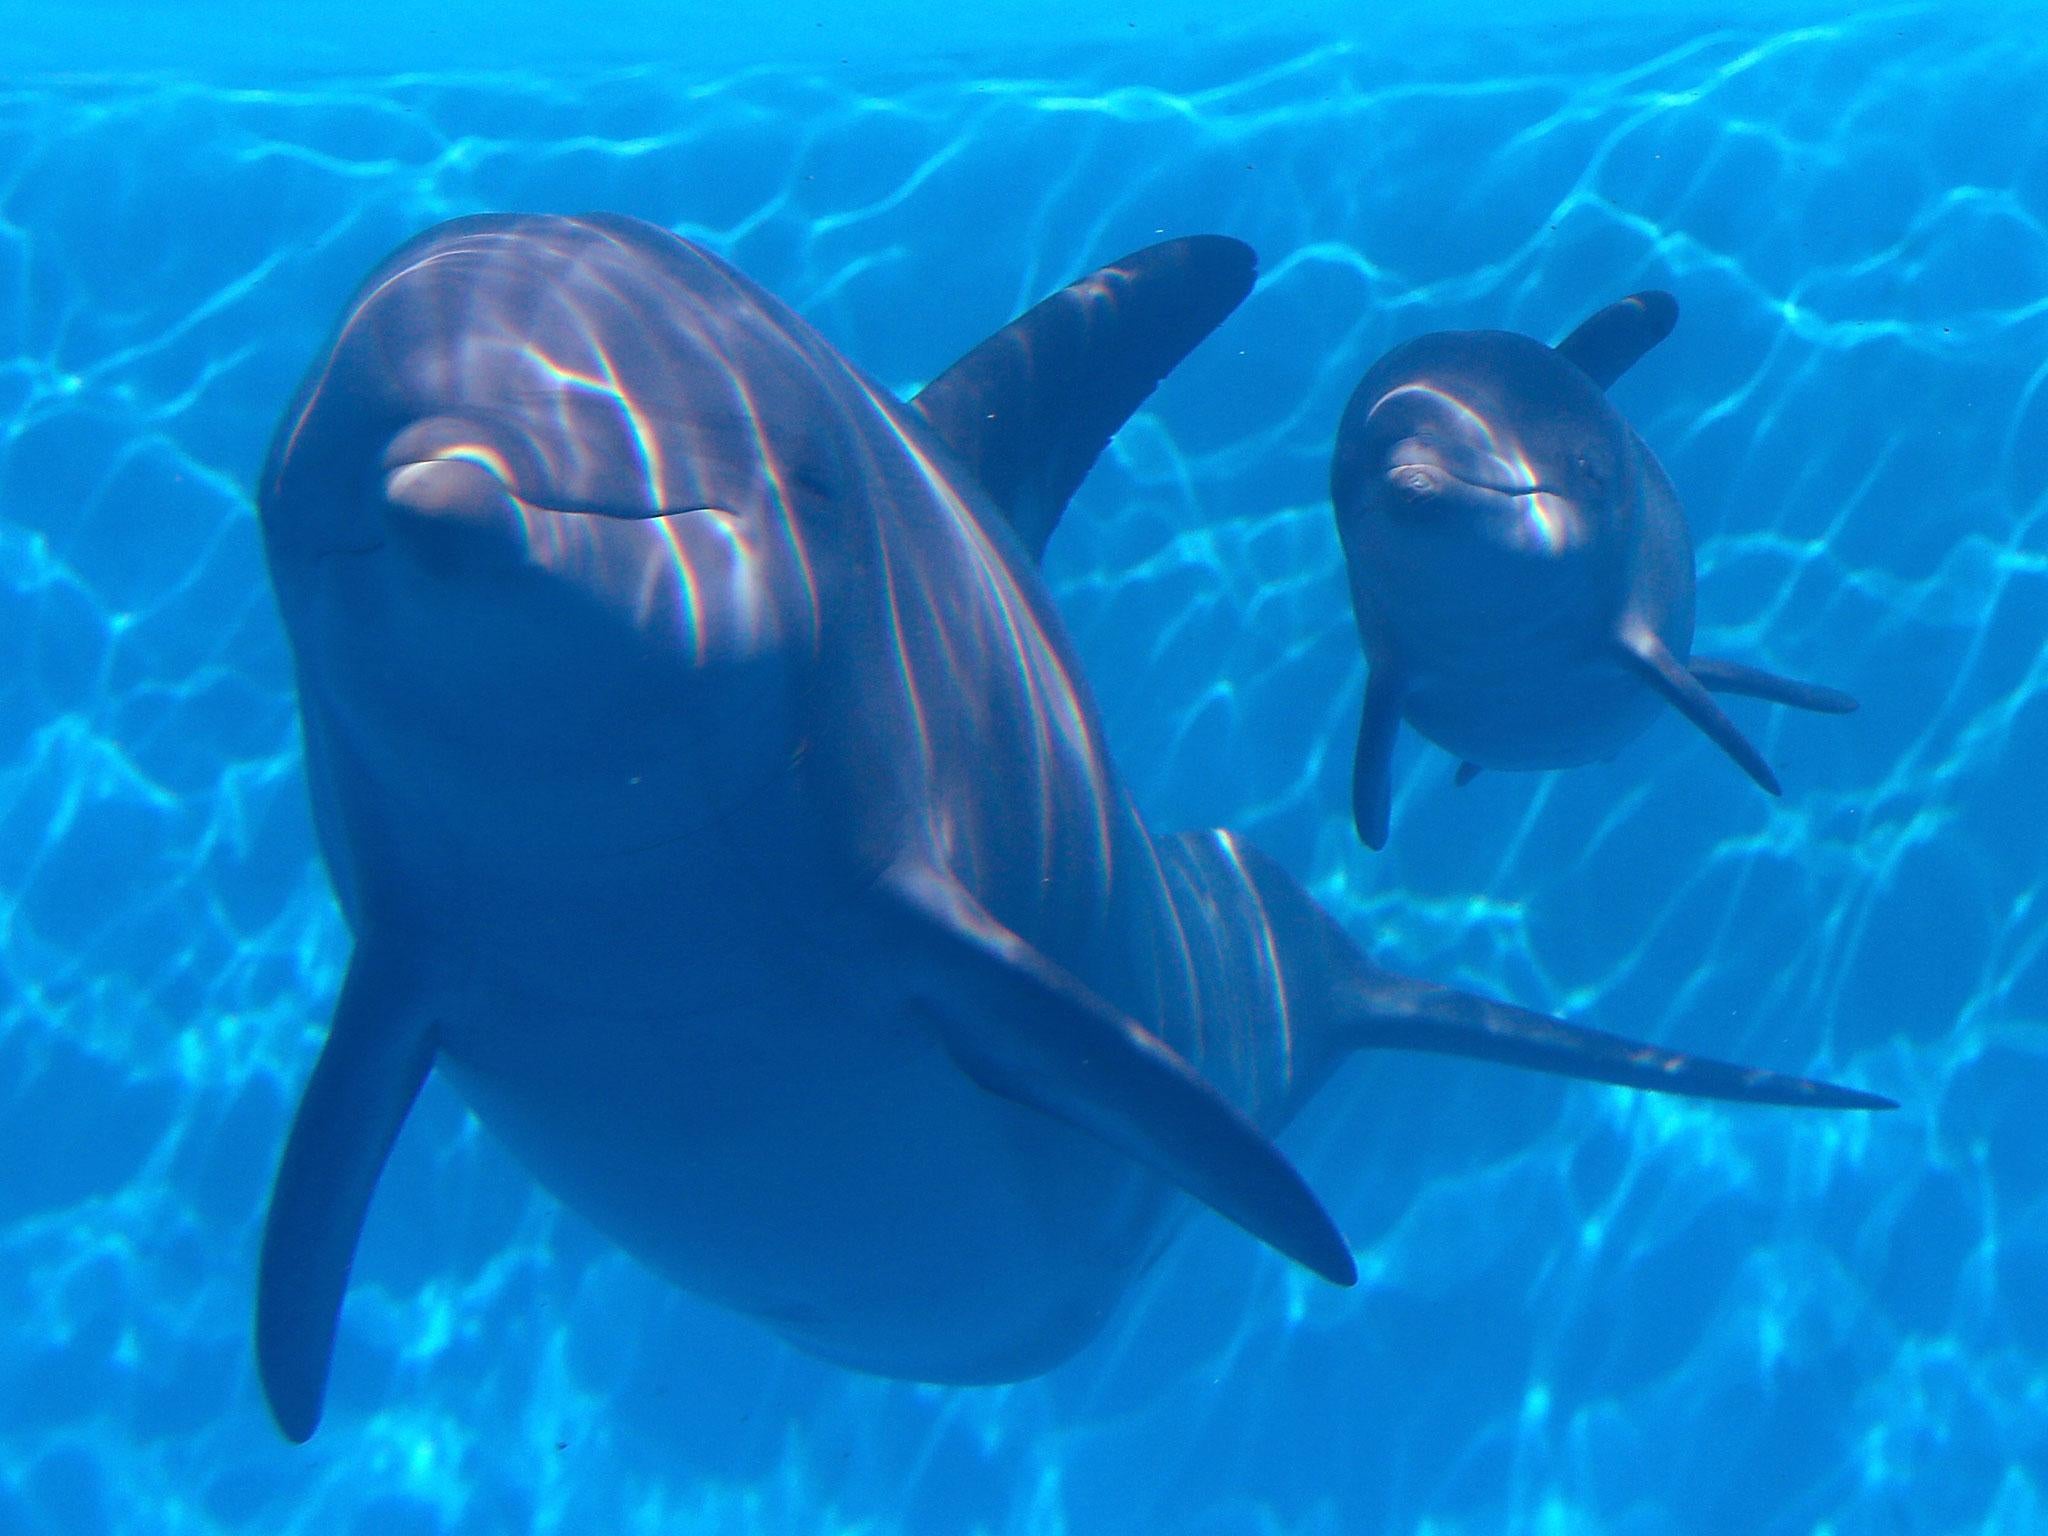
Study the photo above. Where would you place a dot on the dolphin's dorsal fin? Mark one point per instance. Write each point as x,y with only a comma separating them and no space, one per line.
369,1072
1610,343
1030,408
1029,1031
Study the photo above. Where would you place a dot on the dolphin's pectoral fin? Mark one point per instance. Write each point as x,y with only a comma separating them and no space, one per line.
1029,409
1372,768
1466,773
1685,693
1395,1013
1608,344
369,1072
1718,676
1026,1030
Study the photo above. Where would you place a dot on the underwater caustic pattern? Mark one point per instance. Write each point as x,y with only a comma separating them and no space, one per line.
1578,1311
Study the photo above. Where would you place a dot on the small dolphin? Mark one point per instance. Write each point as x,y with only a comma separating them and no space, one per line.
1521,570
711,793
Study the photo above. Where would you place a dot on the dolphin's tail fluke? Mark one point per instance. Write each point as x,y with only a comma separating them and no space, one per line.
1719,676
1338,1001
1395,1013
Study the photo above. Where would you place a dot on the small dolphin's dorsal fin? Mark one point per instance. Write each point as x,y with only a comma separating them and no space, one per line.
1608,344
1034,1034
1396,1013
369,1072
1029,410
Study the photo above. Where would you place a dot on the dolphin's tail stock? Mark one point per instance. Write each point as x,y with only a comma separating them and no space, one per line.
1360,1007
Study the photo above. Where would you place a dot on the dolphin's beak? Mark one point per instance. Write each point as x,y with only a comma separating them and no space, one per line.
449,496
460,490
454,514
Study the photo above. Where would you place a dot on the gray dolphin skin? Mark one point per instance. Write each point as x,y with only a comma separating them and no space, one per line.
1521,570
711,794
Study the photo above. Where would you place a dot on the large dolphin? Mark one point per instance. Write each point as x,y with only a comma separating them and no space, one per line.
710,791
1520,566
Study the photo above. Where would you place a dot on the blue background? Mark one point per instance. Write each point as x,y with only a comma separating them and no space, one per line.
1581,1310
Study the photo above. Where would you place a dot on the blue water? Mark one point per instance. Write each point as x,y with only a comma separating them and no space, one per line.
1582,1311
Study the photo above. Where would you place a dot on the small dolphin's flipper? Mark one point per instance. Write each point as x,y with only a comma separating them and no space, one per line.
1372,769
1466,773
1030,408
1685,693
1610,343
369,1072
1034,1034
1404,1015
1718,676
